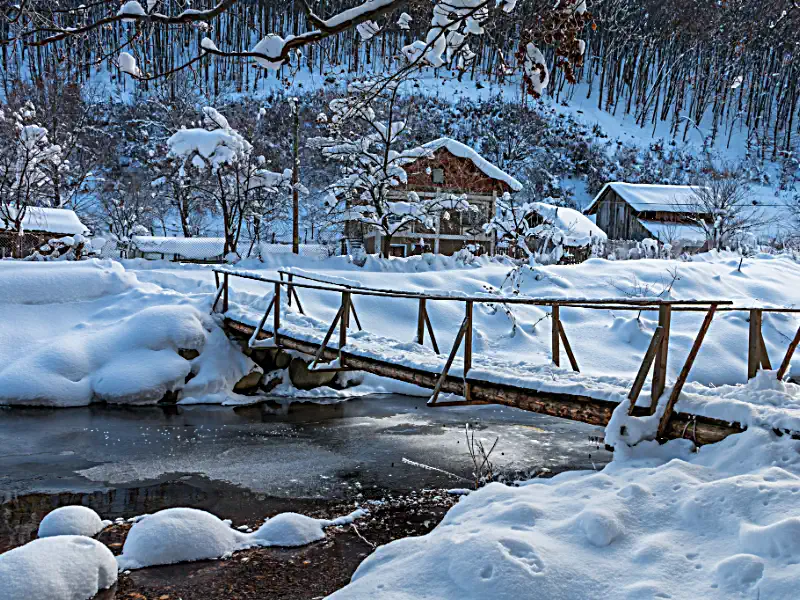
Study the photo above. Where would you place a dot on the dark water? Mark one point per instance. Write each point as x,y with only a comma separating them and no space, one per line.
250,462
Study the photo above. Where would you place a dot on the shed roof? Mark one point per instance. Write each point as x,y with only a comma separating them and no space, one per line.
578,229
645,196
197,248
674,232
464,151
48,220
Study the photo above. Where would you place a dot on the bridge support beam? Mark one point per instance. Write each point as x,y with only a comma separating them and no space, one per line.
589,410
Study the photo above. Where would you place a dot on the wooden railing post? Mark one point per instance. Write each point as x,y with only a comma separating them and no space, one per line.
276,314
343,323
754,343
421,322
787,360
555,334
660,363
468,349
684,374
225,293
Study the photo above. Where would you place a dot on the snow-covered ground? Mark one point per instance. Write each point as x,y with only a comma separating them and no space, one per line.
119,327
658,522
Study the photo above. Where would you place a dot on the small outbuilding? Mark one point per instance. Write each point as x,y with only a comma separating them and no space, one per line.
39,225
445,167
636,211
557,234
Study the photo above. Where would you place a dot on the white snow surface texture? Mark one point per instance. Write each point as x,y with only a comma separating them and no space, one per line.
658,522
72,520
76,333
66,567
178,535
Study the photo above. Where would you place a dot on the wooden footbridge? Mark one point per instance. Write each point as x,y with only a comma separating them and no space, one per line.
277,329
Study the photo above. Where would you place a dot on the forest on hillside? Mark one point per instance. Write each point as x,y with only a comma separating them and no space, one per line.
726,72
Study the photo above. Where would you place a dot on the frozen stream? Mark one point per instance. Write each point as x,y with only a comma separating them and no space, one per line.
244,462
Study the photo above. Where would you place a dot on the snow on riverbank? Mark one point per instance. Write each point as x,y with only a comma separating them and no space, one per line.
658,522
76,333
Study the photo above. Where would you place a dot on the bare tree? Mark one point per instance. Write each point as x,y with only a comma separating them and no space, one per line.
724,210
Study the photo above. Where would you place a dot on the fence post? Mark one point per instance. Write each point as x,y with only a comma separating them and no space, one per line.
754,344
225,294
468,349
290,288
276,315
660,363
421,322
343,324
555,332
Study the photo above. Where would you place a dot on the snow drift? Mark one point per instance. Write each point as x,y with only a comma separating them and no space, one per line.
658,522
66,567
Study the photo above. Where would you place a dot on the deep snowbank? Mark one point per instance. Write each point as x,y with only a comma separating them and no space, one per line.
66,567
76,333
658,522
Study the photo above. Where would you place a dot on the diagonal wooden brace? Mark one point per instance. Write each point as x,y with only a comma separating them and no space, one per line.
449,363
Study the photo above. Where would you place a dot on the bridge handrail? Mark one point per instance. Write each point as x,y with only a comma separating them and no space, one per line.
632,303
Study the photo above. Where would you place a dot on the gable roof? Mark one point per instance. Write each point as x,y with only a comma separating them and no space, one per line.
577,228
464,151
645,196
49,220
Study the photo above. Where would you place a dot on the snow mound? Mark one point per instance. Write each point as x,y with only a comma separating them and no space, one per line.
187,534
72,520
177,535
132,361
67,567
289,529
658,522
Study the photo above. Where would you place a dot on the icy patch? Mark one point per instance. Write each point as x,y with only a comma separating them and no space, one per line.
72,520
65,567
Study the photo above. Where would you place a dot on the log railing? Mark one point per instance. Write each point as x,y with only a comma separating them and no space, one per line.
655,359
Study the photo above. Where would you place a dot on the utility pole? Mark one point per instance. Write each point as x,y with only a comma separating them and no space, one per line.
296,178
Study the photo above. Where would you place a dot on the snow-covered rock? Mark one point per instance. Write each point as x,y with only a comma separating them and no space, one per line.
289,529
65,567
72,520
177,535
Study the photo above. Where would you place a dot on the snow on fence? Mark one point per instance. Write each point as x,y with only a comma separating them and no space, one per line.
212,249
488,380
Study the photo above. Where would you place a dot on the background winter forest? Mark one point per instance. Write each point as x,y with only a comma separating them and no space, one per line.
668,92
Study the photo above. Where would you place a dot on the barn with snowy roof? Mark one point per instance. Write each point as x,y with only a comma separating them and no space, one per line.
637,211
446,166
39,225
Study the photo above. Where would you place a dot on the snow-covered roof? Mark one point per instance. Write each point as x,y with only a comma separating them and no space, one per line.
463,151
674,232
578,229
645,196
197,248
50,220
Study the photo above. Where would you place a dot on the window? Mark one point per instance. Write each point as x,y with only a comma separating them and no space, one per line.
438,175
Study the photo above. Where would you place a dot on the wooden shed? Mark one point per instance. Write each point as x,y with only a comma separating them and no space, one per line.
446,166
636,211
39,226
